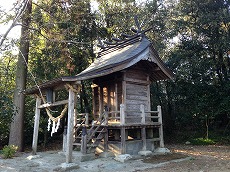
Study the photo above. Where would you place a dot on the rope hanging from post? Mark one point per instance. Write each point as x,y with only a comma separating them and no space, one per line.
55,120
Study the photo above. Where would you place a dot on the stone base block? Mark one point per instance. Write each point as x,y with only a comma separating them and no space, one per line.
33,157
123,157
162,150
145,153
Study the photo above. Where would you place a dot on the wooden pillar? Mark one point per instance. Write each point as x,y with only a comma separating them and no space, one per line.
106,116
123,140
161,127
86,119
106,140
143,129
36,126
64,144
142,109
69,136
116,100
106,137
84,141
143,137
101,100
122,114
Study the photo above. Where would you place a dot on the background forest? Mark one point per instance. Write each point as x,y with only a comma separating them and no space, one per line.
59,38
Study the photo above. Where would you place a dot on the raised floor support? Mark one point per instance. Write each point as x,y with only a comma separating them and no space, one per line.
123,140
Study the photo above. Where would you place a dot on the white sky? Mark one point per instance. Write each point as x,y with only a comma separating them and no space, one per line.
7,6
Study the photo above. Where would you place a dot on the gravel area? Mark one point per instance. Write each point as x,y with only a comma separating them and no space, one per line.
183,158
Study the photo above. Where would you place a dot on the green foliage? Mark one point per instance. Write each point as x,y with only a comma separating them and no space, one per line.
197,98
7,72
202,141
9,151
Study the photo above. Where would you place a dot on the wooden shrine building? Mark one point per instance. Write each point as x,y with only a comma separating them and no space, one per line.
123,121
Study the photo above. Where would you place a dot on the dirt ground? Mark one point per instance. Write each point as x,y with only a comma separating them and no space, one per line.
184,158
210,158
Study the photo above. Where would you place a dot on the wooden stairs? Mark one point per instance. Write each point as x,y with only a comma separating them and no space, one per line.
88,137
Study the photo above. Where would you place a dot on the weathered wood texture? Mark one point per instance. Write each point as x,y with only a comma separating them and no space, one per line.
95,101
36,126
70,126
137,93
130,89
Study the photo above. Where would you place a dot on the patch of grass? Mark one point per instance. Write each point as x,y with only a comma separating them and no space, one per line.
202,141
9,151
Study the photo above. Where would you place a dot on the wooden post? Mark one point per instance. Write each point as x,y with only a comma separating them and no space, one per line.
64,145
106,139
84,141
116,101
161,127
69,136
123,140
142,109
143,130
86,119
100,100
143,137
36,126
106,116
106,147
122,114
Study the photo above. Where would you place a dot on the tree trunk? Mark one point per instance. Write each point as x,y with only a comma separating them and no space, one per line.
17,124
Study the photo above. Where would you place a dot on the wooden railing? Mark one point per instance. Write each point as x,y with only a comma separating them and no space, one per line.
82,119
144,118
88,135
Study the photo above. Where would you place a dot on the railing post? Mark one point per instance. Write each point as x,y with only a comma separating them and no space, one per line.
142,109
86,119
122,114
106,115
161,127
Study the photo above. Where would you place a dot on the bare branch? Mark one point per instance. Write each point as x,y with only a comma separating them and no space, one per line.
18,15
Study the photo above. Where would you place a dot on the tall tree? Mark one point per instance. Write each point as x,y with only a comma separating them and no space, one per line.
200,61
17,125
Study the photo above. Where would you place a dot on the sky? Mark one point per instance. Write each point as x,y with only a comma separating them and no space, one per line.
7,6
